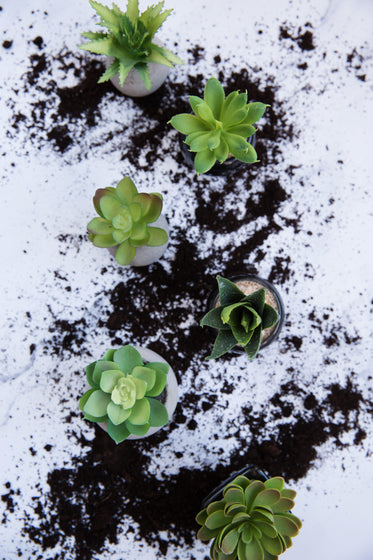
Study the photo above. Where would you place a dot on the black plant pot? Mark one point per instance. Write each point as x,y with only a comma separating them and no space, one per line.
229,165
250,471
280,308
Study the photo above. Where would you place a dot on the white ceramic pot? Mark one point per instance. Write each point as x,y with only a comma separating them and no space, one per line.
171,391
133,84
147,255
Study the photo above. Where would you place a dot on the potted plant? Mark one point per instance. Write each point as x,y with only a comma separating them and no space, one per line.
250,521
247,313
137,64
123,224
220,128
133,393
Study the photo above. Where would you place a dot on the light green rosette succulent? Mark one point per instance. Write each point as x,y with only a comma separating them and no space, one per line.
124,217
123,393
129,40
251,522
239,319
220,126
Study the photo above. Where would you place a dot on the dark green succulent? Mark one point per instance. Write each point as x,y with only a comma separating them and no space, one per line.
220,126
124,217
129,40
123,393
239,319
252,521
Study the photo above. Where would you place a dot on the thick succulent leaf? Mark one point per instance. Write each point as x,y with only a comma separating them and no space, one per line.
99,46
293,518
157,237
140,412
228,291
242,481
205,534
154,209
186,123
213,141
103,241
106,14
276,482
235,106
109,379
287,493
110,72
140,387
256,111
213,319
252,491
268,497
247,533
96,418
234,495
215,506
265,511
223,343
110,206
108,356
161,367
204,161
143,70
100,226
194,101
214,96
125,253
200,141
120,236
94,35
89,372
283,505
267,529
97,403
273,546
252,348
201,517
221,152
158,413
244,130
135,211
286,526
127,358
117,433
155,23
139,232
230,542
137,429
249,156
228,310
270,316
147,374
204,112
159,385
132,11
97,197
100,367
250,551
234,509
240,516
126,191
158,57
84,399
170,56
235,143
242,336
256,300
216,520
117,414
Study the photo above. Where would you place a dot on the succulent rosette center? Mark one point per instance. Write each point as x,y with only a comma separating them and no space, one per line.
124,393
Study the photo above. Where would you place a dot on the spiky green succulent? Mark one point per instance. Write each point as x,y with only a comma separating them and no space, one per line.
239,319
220,126
129,40
124,215
123,393
252,521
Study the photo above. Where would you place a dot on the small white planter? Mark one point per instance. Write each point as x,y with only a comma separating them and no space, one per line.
133,84
147,255
170,393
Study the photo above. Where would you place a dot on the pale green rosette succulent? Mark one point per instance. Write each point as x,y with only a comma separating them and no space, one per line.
123,393
125,215
220,126
129,40
252,521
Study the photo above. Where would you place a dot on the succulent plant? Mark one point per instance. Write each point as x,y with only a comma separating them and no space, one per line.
124,215
123,393
129,40
252,521
220,126
240,319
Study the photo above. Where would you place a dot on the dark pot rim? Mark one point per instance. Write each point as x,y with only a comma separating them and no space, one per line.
218,169
269,286
258,474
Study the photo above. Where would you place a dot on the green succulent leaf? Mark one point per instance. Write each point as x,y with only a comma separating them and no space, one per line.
256,111
286,526
221,152
137,429
100,367
110,72
224,342
84,399
256,300
276,482
187,123
158,413
248,156
100,226
109,379
234,495
117,433
250,551
236,143
270,316
205,534
97,403
146,374
216,520
103,241
268,497
127,358
283,505
89,372
125,253
140,412
143,70
214,96
252,347
159,385
157,237
117,414
273,546
204,161
230,542
154,209
110,206
213,319
228,291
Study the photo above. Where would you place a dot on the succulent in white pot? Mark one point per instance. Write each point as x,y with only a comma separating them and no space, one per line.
129,224
137,64
133,393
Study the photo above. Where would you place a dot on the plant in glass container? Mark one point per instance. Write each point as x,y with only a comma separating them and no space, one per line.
247,313
220,128
251,521
123,224
138,64
133,393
